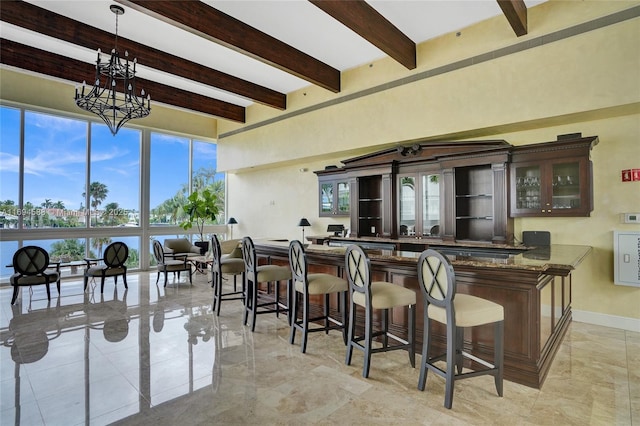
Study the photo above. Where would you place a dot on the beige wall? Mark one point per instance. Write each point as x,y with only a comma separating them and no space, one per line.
588,83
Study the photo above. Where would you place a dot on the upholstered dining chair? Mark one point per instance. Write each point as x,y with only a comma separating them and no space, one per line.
437,282
30,264
372,295
255,301
181,246
229,265
111,264
307,285
169,263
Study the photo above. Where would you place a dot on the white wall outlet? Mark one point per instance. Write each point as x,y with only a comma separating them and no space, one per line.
630,217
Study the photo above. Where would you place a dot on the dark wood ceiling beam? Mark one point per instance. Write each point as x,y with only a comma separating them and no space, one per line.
364,20
32,59
200,19
40,20
516,13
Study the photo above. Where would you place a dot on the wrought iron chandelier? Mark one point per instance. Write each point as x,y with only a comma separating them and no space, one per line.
112,96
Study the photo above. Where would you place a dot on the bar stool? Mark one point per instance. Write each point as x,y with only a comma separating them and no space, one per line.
255,301
437,280
314,284
224,265
376,295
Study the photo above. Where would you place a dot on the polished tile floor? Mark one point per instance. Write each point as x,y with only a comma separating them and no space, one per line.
155,355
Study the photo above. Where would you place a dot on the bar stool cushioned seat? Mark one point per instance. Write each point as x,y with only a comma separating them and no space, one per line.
376,295
255,302
225,264
437,281
314,284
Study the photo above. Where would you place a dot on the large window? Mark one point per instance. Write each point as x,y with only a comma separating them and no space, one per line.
169,179
114,188
72,186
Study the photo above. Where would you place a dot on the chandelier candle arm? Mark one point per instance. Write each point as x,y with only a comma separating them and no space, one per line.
115,101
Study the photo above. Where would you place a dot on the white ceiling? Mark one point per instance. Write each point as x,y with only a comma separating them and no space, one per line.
296,22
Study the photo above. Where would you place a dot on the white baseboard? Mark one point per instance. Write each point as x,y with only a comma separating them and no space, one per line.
606,320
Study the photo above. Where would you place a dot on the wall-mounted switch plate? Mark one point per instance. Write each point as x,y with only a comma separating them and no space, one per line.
630,217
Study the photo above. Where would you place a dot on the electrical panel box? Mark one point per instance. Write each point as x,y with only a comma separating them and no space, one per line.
626,256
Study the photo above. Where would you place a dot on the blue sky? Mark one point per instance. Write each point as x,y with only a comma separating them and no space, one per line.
56,153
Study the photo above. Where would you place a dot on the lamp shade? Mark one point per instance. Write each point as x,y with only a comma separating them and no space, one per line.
304,222
232,221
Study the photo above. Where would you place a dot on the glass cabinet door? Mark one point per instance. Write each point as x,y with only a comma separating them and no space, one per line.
528,192
407,218
430,204
566,186
326,198
343,198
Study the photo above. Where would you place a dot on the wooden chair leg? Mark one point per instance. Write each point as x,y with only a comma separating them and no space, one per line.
327,323
343,314
426,341
451,357
499,354
294,308
385,327
411,335
459,349
247,300
305,322
367,341
352,325
15,294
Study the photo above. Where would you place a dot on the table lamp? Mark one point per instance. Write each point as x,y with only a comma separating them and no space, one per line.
232,221
303,222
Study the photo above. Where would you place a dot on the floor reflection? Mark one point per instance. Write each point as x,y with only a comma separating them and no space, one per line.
159,355
148,341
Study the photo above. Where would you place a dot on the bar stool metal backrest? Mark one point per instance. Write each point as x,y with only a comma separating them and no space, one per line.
437,282
30,264
314,284
375,295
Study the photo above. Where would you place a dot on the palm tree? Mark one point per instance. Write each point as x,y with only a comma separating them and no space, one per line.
99,242
113,215
97,194
28,221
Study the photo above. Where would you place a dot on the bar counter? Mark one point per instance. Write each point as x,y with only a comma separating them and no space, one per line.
533,286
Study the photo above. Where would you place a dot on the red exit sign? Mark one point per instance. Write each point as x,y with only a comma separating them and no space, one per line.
630,175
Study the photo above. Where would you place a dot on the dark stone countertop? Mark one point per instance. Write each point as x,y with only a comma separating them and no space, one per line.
557,259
